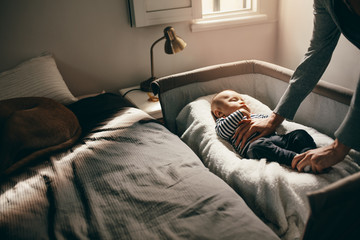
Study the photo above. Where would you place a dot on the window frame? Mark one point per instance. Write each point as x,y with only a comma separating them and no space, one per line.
262,11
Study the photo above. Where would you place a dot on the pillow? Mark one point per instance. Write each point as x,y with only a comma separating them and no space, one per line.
31,128
37,77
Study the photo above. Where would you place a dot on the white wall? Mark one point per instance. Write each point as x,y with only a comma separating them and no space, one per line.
96,48
294,33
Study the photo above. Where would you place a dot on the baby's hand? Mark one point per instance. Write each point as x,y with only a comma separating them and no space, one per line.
245,112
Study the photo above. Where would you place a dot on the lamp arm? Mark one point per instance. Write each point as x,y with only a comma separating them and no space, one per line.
152,55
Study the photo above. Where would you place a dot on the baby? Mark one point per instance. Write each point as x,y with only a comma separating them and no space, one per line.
229,108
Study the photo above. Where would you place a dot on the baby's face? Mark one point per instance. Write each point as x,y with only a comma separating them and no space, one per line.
230,101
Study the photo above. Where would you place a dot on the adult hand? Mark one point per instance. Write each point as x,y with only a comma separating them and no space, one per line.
264,126
322,158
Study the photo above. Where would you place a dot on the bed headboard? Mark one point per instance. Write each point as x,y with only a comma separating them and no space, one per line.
253,77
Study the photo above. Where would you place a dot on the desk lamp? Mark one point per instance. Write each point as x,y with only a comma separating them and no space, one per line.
173,44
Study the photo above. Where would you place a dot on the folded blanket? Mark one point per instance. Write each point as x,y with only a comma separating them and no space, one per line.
31,128
276,193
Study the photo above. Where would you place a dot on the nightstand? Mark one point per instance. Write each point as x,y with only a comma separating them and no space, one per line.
140,100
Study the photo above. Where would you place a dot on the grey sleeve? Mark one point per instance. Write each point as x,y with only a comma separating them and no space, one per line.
349,131
324,40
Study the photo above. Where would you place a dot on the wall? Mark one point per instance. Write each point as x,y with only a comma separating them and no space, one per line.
96,48
294,33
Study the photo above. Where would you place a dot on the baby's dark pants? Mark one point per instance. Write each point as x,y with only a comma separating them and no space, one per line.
281,148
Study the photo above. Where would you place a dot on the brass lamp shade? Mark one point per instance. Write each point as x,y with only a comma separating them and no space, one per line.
173,44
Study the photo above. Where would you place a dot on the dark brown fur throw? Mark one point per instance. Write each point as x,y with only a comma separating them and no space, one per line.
32,127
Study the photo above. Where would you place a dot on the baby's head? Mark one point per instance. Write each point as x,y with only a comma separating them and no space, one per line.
226,102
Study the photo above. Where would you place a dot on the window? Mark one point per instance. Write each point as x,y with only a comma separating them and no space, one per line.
219,14
205,14
211,7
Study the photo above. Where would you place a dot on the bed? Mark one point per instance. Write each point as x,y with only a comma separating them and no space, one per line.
125,177
278,195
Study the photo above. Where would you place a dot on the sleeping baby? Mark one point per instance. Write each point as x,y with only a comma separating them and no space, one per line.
229,108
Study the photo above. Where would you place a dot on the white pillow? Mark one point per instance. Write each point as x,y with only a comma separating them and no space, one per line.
37,77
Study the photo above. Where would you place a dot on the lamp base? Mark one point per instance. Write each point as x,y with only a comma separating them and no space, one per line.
146,85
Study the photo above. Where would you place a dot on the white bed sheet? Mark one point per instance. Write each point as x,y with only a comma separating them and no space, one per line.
276,193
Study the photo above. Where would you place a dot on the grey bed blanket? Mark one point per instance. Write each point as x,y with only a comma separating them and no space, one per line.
130,178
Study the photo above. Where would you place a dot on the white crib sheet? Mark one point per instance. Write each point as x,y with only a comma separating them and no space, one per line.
276,193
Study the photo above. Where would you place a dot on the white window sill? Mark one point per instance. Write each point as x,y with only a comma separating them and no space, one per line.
214,24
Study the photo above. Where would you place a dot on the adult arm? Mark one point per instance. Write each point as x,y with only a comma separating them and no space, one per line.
349,131
324,40
347,137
